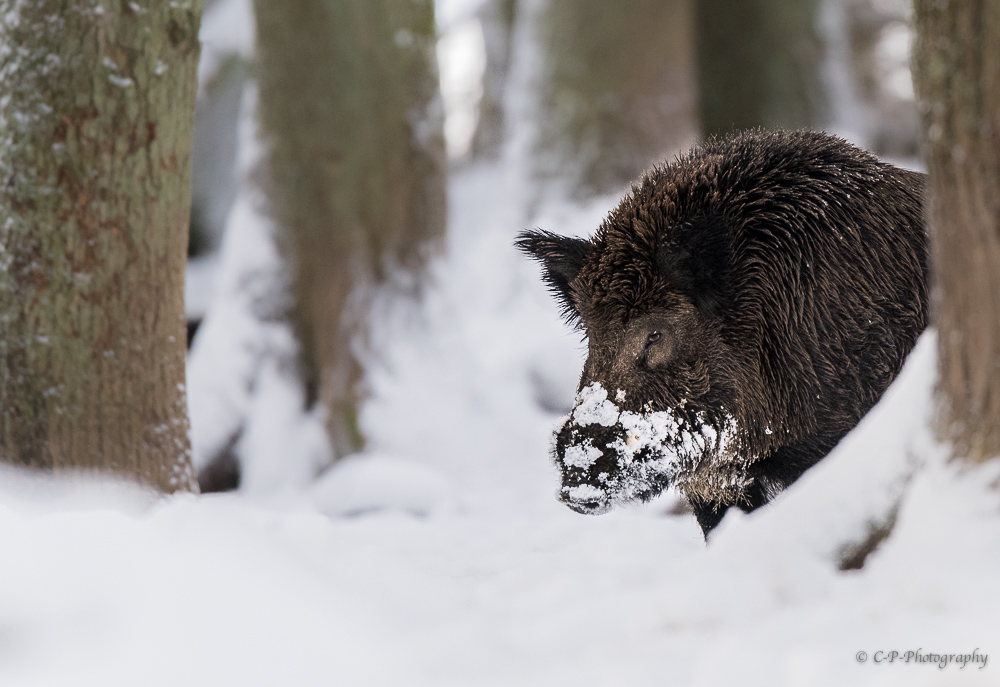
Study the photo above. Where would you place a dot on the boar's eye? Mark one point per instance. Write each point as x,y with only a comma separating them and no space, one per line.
656,349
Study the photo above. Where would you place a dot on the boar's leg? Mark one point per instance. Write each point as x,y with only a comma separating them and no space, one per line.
770,477
708,515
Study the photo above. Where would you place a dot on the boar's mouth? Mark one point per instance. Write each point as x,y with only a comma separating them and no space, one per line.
610,456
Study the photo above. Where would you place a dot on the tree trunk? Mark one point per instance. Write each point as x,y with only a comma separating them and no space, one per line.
758,64
96,110
957,70
497,18
618,93
355,164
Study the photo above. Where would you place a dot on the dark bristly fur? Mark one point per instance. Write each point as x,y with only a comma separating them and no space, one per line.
777,279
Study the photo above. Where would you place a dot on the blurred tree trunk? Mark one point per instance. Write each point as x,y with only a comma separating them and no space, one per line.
497,18
618,92
957,70
759,64
883,112
95,132
354,170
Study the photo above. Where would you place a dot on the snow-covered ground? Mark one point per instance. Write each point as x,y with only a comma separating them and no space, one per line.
430,578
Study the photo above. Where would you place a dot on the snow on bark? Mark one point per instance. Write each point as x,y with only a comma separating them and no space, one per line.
95,132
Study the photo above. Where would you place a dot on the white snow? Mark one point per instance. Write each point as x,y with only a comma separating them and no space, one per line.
462,59
379,483
104,585
227,28
594,408
581,455
585,492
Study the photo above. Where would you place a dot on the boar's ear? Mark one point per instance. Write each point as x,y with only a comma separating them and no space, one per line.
696,257
561,258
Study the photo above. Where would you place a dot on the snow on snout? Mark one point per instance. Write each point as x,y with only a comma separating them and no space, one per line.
586,498
642,431
581,455
594,408
583,493
650,448
645,431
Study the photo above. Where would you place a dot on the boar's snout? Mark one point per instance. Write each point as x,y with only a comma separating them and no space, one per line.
609,455
587,464
596,507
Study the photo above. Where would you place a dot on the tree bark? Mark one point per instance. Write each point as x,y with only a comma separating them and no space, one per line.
758,64
618,92
96,109
957,75
355,164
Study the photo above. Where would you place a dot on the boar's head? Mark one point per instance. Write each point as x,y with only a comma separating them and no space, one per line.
661,400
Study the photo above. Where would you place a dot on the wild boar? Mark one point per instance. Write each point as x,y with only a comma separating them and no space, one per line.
744,306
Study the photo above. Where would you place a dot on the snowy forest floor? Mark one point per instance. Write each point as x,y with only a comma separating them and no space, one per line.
441,557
